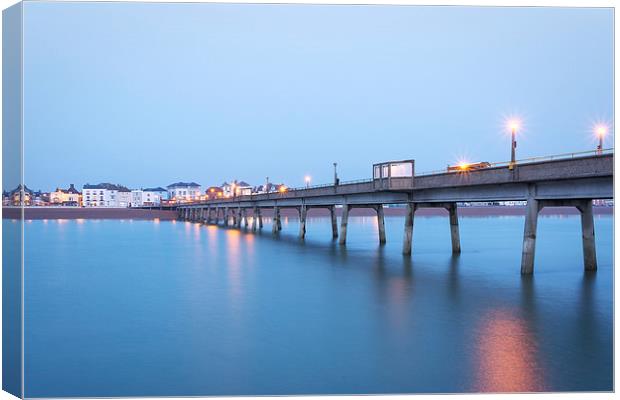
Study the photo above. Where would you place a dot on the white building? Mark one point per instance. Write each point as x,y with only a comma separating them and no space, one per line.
105,195
236,188
148,197
184,191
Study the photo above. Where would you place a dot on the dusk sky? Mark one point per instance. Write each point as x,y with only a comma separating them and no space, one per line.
149,94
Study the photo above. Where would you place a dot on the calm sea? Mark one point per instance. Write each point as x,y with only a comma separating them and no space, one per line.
127,307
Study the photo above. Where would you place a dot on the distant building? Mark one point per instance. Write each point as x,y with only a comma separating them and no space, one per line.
105,195
214,192
148,197
236,188
66,197
18,197
184,191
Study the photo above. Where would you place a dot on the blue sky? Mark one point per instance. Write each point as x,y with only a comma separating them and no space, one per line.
149,94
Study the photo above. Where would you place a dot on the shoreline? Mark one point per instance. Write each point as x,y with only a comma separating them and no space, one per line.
39,213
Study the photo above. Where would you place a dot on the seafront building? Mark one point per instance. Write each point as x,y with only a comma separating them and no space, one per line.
236,188
184,191
148,197
66,197
105,195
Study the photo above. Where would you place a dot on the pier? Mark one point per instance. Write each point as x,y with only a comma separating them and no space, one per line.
560,181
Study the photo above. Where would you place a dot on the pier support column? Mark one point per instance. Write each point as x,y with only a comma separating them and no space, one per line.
254,219
303,212
381,224
529,236
260,219
239,214
226,216
343,223
587,235
245,218
408,235
332,211
186,214
276,220
454,229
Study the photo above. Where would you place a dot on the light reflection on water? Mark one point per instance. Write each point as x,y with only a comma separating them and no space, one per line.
188,309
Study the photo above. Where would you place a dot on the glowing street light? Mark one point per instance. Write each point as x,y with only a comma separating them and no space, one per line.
514,126
601,131
307,179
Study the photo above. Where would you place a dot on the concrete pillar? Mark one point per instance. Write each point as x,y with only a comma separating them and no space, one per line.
245,217
276,220
408,235
260,218
179,213
529,236
587,235
332,211
226,216
254,219
303,212
343,223
381,224
454,229
239,217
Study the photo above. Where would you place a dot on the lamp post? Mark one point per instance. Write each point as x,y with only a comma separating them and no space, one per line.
335,175
514,126
601,131
307,179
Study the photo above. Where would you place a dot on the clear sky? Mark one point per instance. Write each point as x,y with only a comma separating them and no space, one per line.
149,94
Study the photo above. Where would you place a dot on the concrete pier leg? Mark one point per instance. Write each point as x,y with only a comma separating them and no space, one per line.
279,220
587,234
276,218
529,236
217,216
381,224
260,218
239,217
343,223
454,229
332,211
255,219
179,213
245,218
226,216
408,235
303,212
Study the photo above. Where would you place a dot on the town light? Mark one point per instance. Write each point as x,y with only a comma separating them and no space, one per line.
601,131
513,125
282,189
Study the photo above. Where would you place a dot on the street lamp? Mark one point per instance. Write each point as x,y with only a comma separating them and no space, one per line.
601,131
513,125
336,175
307,179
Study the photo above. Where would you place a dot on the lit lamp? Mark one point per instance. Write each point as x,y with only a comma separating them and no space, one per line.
307,179
513,125
601,131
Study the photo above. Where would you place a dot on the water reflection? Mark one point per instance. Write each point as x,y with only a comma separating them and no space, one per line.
506,354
